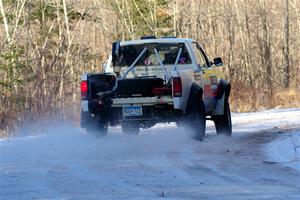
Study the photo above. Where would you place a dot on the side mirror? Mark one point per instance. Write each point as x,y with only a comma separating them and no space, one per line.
218,62
115,52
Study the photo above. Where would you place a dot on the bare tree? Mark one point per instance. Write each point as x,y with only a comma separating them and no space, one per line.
286,45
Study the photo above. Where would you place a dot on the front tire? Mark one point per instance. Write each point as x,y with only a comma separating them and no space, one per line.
223,122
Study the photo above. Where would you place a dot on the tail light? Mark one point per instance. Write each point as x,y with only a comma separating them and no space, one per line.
177,87
84,89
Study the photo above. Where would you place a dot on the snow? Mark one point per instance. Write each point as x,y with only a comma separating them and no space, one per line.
286,149
61,161
279,118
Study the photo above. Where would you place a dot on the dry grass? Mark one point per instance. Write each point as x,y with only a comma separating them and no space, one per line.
254,100
289,98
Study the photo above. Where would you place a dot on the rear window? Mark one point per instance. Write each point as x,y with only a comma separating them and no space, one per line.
167,52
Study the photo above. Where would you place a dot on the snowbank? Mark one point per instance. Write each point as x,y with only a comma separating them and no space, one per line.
285,150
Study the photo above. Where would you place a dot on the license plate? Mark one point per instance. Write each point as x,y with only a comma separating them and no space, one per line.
132,111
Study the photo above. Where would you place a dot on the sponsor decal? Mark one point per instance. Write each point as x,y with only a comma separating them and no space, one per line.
213,80
210,90
207,90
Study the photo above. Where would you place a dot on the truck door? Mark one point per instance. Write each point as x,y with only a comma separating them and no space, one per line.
209,79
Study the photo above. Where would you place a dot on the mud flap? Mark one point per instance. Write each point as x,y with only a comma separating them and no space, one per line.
223,92
219,110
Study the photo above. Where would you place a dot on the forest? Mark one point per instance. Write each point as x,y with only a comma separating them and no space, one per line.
46,45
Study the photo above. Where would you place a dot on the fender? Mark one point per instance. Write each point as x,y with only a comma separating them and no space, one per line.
196,92
223,87
196,89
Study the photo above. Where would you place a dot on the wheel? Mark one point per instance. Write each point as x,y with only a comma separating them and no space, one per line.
223,122
94,124
130,128
196,119
102,127
98,128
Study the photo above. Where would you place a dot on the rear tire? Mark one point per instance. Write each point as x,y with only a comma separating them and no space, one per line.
102,127
130,128
223,122
94,125
97,129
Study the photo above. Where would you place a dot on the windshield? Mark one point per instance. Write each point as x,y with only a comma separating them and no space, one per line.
167,53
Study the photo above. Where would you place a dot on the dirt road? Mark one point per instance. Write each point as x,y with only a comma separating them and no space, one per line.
62,162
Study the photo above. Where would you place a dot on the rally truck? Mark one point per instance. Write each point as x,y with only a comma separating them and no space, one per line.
156,80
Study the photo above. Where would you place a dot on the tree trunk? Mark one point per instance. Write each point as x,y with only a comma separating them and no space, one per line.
286,45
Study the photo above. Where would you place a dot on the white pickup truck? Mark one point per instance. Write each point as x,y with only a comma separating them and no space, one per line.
156,80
